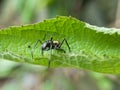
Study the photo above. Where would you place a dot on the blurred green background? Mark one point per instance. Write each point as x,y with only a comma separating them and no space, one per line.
23,76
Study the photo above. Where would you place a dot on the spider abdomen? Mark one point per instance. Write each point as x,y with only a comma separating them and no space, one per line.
45,46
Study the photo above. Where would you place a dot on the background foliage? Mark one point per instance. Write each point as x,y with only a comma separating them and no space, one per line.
19,76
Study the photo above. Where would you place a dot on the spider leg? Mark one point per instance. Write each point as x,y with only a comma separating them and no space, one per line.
47,35
61,49
49,62
41,51
49,59
38,41
64,40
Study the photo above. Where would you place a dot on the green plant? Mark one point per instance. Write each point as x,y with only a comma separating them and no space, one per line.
93,48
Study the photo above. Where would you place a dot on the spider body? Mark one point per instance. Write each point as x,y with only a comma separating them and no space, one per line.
49,45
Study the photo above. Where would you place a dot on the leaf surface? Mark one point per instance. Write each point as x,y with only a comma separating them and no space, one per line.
93,48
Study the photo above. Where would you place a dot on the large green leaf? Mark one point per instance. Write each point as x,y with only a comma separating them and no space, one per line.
93,48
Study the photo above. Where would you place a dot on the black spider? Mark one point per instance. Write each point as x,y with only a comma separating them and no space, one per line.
49,45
